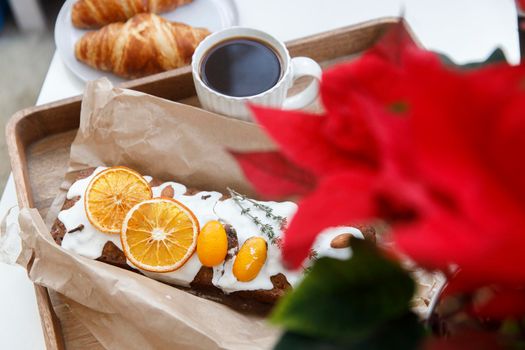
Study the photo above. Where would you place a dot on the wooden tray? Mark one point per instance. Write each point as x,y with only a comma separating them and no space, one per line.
39,139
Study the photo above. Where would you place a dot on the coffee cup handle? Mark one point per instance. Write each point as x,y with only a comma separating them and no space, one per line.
301,67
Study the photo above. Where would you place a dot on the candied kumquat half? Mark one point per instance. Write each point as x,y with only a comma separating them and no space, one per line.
111,194
250,259
159,235
212,244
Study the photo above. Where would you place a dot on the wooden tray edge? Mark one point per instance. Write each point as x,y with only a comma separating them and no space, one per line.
51,327
16,150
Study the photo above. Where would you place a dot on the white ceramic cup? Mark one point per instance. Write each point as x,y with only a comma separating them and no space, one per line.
276,96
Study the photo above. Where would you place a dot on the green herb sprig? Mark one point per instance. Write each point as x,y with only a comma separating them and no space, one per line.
266,229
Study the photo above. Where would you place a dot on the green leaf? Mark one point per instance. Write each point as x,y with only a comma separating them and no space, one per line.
497,56
349,301
403,334
295,341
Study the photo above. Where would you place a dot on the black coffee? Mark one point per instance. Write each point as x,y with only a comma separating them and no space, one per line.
241,67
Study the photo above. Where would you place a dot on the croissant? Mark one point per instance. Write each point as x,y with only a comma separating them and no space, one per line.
89,14
146,44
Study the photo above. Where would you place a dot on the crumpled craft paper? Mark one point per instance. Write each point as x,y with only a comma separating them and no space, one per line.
122,309
10,243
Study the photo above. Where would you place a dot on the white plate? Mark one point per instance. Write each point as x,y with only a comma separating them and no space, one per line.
211,14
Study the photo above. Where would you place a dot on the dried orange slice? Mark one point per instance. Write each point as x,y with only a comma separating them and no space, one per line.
111,194
159,235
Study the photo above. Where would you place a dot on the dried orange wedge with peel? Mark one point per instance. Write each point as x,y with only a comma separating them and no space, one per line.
111,194
159,235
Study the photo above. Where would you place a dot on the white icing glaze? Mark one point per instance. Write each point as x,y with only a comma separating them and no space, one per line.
182,276
206,206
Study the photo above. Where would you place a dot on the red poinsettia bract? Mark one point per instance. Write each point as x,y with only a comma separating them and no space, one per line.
435,150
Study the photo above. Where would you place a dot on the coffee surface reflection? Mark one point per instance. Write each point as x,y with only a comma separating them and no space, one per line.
241,67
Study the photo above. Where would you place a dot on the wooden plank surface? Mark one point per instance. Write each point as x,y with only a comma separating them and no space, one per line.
39,139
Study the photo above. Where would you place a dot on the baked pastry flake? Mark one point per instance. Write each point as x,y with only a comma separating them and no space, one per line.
91,14
146,44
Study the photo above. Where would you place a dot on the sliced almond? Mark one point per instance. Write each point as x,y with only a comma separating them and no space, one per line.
168,192
341,241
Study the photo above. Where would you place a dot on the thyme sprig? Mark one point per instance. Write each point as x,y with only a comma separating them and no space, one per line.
282,221
266,229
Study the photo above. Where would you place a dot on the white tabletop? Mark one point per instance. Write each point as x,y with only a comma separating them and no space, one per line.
466,30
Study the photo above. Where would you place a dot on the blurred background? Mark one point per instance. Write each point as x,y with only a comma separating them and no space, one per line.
26,49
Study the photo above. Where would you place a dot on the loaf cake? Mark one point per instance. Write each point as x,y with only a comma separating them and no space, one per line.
74,232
